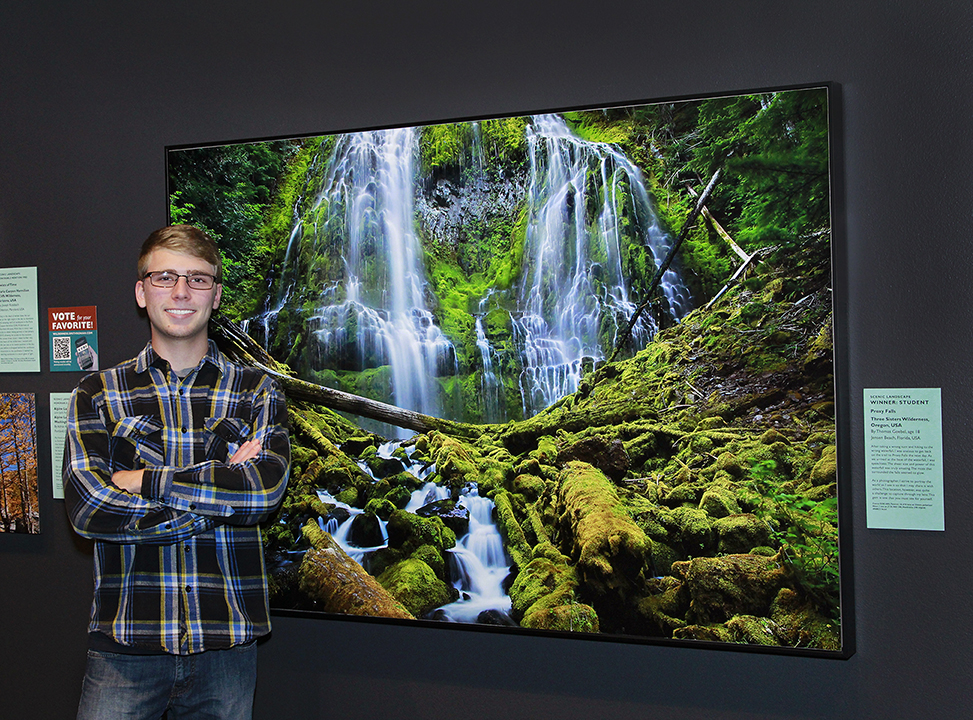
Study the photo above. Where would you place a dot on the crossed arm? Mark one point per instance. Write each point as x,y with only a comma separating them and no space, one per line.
131,480
164,504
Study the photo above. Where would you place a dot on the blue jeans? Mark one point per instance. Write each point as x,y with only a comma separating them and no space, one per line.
212,685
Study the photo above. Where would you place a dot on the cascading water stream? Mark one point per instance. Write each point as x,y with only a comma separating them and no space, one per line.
481,564
341,530
574,296
266,320
491,386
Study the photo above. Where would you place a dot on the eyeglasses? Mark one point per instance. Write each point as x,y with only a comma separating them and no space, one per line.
168,279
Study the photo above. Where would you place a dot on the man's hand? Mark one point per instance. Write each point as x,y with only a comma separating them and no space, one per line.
247,451
130,480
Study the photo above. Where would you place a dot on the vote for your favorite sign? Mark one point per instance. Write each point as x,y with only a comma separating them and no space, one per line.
904,458
73,335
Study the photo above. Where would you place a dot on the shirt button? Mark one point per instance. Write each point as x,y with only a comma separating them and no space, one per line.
189,588
185,430
192,507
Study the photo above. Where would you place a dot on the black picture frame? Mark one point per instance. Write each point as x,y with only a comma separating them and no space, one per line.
757,475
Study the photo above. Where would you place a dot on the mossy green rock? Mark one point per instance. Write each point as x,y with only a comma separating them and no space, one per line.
666,607
381,507
825,471
454,461
529,485
801,625
694,529
718,503
729,585
511,531
753,630
408,532
543,580
414,584
740,533
576,617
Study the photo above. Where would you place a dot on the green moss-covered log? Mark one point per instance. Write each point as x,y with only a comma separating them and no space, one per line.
338,584
610,550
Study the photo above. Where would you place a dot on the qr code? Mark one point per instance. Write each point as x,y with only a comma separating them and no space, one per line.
62,347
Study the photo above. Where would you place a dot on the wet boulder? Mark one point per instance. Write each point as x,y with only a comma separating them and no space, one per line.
495,617
454,516
380,506
382,467
366,531
608,456
399,497
408,532
355,446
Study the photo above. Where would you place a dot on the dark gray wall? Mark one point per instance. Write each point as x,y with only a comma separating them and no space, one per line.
90,93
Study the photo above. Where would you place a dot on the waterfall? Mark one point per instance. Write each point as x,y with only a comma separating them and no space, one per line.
479,165
266,320
353,269
574,297
491,385
340,530
377,315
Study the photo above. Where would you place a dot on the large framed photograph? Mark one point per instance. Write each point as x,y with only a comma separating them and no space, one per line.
568,373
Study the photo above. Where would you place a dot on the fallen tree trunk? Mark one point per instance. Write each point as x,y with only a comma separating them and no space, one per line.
720,230
339,584
736,276
240,347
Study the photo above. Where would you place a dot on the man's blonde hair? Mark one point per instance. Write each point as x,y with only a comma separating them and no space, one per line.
183,239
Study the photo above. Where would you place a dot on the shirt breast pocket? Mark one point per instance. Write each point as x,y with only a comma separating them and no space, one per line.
224,436
137,443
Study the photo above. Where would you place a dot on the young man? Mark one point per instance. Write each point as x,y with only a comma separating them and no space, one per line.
172,460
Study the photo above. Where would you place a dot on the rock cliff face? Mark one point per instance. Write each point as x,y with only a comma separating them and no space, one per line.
457,215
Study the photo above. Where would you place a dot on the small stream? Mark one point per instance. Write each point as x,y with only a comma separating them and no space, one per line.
478,563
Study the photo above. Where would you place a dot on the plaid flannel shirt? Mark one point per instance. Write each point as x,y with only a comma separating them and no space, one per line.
180,567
